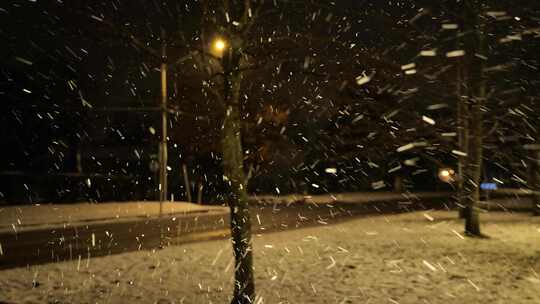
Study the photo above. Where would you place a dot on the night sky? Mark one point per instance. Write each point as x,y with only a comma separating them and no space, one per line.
66,65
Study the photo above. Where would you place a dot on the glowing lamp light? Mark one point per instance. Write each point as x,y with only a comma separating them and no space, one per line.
446,175
219,45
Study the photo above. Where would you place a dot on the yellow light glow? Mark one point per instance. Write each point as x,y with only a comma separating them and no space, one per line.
446,175
219,45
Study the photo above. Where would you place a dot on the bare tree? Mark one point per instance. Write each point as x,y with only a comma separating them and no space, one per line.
231,57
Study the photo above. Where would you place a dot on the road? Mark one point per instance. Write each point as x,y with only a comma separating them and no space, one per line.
83,242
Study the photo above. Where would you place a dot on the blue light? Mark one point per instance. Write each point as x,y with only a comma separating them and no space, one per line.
488,186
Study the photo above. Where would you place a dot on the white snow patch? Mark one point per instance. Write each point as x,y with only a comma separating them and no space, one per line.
406,261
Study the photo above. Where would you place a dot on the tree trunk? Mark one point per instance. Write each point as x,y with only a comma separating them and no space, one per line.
233,167
463,138
398,184
474,164
535,182
477,95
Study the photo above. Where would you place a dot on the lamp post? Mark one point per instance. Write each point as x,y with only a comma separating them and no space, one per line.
163,141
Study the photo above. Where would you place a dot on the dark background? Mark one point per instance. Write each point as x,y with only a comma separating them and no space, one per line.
69,70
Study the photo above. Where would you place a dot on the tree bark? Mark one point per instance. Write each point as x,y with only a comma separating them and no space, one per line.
233,166
398,184
463,137
475,48
535,182
472,189
474,163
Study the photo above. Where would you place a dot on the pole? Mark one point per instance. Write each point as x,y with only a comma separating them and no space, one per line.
163,142
199,193
186,182
535,182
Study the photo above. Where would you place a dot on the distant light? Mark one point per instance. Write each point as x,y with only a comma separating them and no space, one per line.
488,186
446,175
219,45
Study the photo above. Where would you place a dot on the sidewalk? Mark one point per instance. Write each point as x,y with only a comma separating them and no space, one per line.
34,234
35,217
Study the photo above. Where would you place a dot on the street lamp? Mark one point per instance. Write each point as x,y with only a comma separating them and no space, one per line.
218,46
446,175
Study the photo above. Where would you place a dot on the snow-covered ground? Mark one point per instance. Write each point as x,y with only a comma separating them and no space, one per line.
17,218
419,257
41,216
